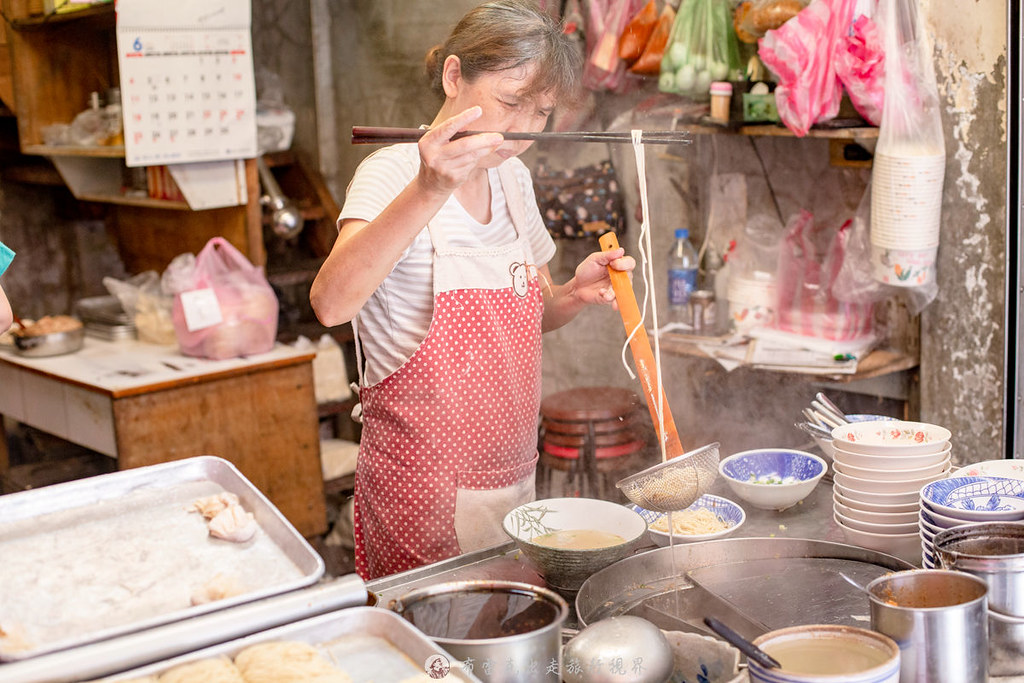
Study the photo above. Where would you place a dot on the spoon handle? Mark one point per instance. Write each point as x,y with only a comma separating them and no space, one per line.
745,646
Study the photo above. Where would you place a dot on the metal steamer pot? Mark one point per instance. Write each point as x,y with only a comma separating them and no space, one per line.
993,552
500,631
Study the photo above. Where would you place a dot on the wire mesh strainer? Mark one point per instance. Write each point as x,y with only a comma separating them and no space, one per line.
674,484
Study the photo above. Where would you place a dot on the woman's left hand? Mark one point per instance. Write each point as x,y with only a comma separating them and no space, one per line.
592,283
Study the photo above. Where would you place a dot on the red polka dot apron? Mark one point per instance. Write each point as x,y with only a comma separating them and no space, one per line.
449,441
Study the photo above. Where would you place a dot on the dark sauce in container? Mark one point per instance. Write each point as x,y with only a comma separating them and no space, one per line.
480,614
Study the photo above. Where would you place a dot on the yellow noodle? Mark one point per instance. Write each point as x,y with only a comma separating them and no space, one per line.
691,522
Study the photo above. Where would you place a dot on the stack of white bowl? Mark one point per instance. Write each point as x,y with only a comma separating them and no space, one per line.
966,500
880,467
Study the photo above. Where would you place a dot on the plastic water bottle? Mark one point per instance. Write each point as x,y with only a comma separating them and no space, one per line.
682,276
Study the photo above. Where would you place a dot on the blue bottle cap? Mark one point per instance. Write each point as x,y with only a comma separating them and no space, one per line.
682,233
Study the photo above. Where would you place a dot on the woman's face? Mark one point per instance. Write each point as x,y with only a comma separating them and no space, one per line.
505,108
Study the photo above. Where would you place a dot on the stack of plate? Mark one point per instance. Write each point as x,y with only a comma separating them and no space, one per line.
966,500
105,318
880,468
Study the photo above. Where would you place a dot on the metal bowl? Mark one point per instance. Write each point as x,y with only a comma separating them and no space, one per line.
53,344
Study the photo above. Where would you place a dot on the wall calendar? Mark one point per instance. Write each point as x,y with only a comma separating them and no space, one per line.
188,89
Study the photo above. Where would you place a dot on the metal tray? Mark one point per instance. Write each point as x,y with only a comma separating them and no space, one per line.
752,584
96,558
368,643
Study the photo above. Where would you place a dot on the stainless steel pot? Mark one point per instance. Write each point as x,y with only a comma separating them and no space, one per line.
499,630
994,552
937,617
52,344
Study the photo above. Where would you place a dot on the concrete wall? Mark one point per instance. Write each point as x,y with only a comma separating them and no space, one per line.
373,61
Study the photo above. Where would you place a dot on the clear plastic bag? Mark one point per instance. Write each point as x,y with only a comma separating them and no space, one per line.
606,20
909,165
224,307
810,259
701,49
143,299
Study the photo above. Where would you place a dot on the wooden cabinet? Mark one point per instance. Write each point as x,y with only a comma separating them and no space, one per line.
56,62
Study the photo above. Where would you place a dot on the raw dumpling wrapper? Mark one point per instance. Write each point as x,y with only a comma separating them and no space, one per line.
234,524
211,506
287,662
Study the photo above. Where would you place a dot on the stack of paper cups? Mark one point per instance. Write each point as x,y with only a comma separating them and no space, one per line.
751,300
906,206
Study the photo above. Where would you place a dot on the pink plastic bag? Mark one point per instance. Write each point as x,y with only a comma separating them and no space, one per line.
224,306
806,303
860,65
801,53
605,22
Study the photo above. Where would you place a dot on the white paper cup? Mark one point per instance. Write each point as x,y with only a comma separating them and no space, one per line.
903,267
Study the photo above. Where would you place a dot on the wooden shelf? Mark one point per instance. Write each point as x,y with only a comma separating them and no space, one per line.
99,152
876,364
147,202
773,130
99,13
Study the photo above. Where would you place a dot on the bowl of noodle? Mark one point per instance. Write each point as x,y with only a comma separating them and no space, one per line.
708,518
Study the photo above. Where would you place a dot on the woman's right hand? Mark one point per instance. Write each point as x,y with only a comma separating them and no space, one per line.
446,164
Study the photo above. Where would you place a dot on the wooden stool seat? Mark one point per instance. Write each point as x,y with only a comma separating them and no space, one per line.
599,426
589,404
590,432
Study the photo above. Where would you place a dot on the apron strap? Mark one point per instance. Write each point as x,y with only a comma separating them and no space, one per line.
513,197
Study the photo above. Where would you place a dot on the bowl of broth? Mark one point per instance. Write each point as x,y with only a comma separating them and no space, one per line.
568,539
827,653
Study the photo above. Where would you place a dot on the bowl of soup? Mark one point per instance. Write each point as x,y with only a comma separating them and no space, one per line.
827,653
568,539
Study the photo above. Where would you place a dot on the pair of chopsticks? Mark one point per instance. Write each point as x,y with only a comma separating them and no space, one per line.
376,135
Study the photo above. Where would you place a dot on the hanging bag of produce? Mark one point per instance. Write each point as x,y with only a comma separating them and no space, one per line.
224,307
910,158
702,48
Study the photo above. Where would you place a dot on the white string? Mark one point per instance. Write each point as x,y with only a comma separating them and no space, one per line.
647,270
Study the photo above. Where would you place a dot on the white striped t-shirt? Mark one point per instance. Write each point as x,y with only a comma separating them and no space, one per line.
395,319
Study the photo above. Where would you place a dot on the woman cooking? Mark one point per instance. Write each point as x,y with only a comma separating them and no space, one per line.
441,264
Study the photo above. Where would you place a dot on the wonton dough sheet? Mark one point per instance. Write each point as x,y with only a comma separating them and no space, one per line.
66,575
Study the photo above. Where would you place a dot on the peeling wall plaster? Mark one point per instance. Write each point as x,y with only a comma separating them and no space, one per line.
962,367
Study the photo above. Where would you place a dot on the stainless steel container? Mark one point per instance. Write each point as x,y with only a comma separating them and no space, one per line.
994,552
499,630
938,619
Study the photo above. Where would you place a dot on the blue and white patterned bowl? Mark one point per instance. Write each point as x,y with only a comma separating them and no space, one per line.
796,472
723,508
976,498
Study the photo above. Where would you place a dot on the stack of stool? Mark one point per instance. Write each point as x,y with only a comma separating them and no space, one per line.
594,435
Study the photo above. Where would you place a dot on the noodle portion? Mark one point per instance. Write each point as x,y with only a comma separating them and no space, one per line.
691,522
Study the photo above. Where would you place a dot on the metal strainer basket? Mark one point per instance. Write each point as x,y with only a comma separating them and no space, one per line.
674,484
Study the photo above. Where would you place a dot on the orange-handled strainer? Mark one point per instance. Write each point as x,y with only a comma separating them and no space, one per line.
680,479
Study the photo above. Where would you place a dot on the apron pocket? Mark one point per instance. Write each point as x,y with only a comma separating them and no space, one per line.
483,498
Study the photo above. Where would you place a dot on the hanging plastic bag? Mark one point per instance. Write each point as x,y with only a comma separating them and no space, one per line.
701,49
910,159
606,20
810,259
224,306
860,66
801,53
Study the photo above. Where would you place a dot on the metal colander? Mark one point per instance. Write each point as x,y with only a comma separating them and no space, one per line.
674,484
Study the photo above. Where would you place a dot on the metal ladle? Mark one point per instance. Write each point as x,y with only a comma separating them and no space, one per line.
285,220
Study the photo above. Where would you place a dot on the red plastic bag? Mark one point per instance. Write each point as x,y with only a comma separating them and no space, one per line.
224,307
801,53
806,303
860,65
